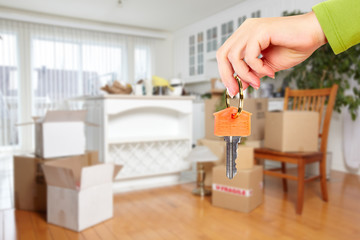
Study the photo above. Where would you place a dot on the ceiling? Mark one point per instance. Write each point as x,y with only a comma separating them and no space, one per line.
164,15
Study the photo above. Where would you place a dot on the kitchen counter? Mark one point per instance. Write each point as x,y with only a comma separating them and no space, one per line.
124,96
149,135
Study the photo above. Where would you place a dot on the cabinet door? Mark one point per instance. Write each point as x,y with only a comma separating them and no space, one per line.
227,29
196,56
241,20
200,53
192,55
211,40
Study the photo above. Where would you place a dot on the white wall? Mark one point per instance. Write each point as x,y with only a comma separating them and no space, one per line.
337,141
164,56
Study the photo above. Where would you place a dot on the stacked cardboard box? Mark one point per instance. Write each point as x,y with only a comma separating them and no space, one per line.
210,107
57,134
258,108
243,192
78,193
29,180
60,134
29,183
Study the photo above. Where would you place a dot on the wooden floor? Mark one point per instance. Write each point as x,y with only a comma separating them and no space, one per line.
174,213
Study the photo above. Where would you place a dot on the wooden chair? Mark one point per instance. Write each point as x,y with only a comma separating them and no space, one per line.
310,100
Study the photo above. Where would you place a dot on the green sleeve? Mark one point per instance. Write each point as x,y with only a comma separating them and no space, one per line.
340,21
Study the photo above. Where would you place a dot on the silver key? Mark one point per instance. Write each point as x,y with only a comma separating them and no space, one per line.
231,155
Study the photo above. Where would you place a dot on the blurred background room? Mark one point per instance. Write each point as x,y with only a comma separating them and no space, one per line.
107,127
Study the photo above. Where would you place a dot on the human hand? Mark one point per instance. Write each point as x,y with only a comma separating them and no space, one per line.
283,43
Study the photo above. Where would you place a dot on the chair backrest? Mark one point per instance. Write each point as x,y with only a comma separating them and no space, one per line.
314,100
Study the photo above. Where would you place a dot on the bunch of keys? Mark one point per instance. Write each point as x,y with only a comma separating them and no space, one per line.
232,123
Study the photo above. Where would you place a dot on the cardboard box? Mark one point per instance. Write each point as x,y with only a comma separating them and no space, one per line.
60,133
245,157
292,131
244,160
29,181
254,144
217,87
243,193
79,194
218,148
257,106
210,108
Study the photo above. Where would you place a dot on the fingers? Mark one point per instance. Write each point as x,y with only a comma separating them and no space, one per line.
244,72
230,58
228,63
253,50
245,85
227,73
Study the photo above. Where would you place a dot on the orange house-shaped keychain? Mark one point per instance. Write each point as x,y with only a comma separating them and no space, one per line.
232,123
227,125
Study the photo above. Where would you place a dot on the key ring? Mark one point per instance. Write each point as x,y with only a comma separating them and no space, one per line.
241,98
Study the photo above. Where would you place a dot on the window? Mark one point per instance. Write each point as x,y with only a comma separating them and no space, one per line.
9,90
49,64
55,73
101,65
67,69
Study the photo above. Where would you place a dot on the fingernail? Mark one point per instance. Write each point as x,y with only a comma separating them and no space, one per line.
271,76
254,86
230,93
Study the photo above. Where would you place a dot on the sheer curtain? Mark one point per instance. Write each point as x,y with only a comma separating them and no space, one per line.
42,65
71,62
143,59
9,87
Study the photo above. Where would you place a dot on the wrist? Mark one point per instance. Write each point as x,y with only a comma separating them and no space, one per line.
319,35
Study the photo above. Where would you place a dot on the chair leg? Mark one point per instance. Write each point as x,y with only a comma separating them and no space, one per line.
323,181
301,182
283,170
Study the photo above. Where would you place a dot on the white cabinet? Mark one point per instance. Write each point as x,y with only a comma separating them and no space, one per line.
149,135
195,46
